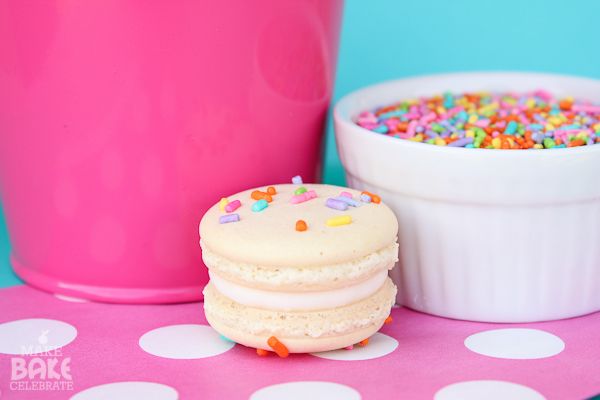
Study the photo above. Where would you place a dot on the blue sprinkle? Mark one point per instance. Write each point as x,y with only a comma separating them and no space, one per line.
381,129
224,338
365,198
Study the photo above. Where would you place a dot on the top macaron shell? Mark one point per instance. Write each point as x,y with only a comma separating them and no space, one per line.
269,237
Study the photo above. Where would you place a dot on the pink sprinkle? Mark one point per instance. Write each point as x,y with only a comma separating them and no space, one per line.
301,198
412,125
368,126
591,109
482,123
346,194
566,132
455,110
543,94
501,124
234,205
412,115
426,118
502,113
524,120
495,134
391,123
504,104
349,347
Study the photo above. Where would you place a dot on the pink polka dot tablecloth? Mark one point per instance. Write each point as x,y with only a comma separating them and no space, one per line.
168,352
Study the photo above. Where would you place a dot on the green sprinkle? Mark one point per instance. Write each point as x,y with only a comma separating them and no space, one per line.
549,143
437,128
430,141
300,191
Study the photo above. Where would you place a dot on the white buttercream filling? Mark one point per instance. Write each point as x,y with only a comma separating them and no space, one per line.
298,301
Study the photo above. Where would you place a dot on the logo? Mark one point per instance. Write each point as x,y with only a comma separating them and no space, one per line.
41,368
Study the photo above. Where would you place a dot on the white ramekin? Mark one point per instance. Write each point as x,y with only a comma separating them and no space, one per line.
485,235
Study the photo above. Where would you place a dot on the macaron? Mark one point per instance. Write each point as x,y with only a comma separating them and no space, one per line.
313,286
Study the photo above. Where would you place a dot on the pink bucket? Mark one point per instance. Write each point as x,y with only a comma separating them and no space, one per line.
122,122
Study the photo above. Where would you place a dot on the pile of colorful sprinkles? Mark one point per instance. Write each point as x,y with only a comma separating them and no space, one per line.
490,120
300,196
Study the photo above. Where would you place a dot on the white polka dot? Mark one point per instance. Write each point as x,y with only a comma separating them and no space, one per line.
488,390
515,343
379,345
306,390
37,335
128,391
69,298
184,342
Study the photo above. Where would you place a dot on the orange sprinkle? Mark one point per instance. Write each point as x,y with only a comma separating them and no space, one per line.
267,197
530,143
516,147
575,143
528,135
505,144
597,139
262,352
558,141
388,320
300,225
374,198
257,195
271,190
278,347
365,342
402,126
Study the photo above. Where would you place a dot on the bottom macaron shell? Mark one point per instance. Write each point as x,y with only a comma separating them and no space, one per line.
300,332
308,345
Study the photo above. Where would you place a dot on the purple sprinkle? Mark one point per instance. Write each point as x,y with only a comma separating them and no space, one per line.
297,180
444,134
461,134
336,204
365,198
590,142
419,129
229,218
432,134
351,202
461,142
537,137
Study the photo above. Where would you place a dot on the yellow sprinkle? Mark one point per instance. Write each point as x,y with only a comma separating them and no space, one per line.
580,134
489,107
555,121
530,103
454,135
418,138
550,127
441,110
470,133
472,118
562,117
497,142
512,102
570,99
343,220
223,203
538,146
439,141
411,101
512,142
